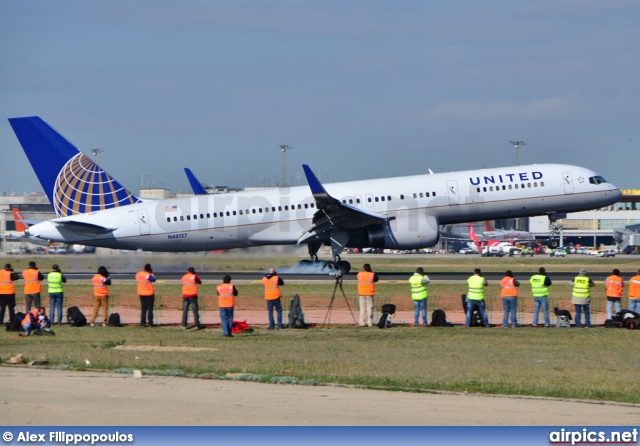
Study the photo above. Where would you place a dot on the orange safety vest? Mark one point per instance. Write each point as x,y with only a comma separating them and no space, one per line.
6,284
145,287
99,288
31,283
366,285
614,285
634,287
27,318
225,295
508,287
271,288
189,285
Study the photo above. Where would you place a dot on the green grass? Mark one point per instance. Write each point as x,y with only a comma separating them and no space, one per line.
594,364
598,363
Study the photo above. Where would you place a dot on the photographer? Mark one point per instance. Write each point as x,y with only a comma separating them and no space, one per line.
55,279
32,286
101,295
145,280
7,292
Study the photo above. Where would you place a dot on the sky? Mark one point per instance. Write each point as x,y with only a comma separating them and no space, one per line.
358,89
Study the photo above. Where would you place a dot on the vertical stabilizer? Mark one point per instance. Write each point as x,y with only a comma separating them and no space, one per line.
71,180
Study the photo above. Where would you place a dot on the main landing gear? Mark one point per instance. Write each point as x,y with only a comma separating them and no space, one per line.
336,265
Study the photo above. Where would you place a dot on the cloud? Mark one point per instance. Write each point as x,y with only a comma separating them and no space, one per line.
544,108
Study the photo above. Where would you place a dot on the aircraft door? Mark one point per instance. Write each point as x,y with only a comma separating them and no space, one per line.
452,191
143,222
369,199
567,180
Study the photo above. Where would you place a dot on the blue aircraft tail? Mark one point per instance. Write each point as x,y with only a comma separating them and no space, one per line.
196,185
71,180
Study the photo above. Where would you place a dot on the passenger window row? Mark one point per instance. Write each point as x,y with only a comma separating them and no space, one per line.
509,187
242,212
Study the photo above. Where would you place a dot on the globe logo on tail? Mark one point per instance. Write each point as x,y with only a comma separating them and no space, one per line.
82,186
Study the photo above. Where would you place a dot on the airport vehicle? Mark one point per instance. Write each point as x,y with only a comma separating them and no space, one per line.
559,253
389,213
21,226
607,253
467,251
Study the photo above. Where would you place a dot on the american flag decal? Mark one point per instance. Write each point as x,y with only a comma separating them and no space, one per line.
171,208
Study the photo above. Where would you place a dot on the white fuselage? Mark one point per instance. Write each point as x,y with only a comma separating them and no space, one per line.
282,215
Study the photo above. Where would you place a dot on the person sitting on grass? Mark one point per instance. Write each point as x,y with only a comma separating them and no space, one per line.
36,320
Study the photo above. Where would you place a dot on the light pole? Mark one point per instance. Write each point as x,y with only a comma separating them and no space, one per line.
284,149
95,154
517,144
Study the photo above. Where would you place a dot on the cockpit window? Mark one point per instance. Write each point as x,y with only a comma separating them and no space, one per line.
597,180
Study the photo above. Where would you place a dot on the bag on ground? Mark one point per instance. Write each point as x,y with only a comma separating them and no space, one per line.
385,320
15,323
114,320
389,308
439,319
75,318
296,316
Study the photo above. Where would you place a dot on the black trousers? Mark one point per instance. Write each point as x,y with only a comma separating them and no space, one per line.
7,300
146,309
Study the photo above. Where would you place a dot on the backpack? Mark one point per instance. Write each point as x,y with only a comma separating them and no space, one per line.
15,323
439,319
114,320
296,316
385,320
75,318
476,319
389,308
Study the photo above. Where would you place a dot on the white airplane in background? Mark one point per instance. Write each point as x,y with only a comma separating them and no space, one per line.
395,213
21,226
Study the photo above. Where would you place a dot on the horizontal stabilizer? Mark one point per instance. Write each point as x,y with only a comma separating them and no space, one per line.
76,226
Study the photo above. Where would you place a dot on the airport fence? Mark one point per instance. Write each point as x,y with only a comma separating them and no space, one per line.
344,311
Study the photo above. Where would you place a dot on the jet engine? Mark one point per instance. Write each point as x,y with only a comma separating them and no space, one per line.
409,230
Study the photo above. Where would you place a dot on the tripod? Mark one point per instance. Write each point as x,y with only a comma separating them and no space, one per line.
327,318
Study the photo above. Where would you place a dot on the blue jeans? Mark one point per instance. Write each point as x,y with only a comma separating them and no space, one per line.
510,305
193,303
226,320
611,302
537,303
634,305
417,306
274,303
473,304
587,316
56,304
29,326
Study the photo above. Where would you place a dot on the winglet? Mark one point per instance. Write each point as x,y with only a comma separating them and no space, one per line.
317,189
196,185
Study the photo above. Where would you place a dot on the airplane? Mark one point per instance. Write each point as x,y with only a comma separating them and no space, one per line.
490,237
94,209
21,227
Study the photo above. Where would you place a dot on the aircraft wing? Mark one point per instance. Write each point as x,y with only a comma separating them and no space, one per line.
333,213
